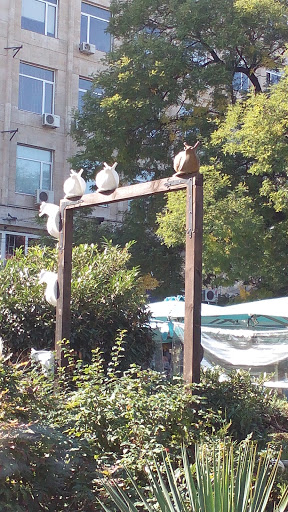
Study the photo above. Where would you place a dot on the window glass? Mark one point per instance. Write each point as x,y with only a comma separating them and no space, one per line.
46,176
273,77
33,169
30,95
48,97
27,176
94,23
34,153
33,16
95,11
37,72
12,243
39,16
84,86
84,29
240,82
98,36
36,89
51,20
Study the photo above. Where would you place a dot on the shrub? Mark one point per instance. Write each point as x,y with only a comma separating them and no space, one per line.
41,469
57,435
245,403
223,479
105,298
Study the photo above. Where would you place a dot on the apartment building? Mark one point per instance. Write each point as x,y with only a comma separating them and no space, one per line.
48,51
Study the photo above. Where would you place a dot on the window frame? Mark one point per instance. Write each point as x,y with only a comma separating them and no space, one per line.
44,82
3,234
97,92
275,73
41,168
242,78
89,16
47,4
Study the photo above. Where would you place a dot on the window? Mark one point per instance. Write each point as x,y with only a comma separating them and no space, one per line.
84,86
273,77
240,82
94,23
39,16
33,169
36,89
10,241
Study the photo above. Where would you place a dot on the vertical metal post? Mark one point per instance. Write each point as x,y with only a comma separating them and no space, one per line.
193,351
63,309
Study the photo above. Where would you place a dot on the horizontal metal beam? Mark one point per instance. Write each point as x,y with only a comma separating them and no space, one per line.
130,192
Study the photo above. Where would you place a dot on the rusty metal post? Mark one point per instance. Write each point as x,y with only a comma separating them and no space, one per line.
63,309
193,351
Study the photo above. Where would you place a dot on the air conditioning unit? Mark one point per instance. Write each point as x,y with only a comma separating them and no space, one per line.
210,295
44,195
87,48
51,120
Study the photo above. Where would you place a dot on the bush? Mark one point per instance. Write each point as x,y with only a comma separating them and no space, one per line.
245,403
57,435
41,469
105,298
88,420
223,478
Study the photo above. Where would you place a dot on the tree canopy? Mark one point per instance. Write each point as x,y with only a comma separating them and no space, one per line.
172,79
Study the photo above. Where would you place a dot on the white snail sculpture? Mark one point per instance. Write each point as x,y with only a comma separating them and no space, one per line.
51,292
45,358
53,221
107,179
74,187
187,161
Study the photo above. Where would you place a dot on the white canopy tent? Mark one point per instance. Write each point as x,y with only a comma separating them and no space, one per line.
171,309
250,335
262,314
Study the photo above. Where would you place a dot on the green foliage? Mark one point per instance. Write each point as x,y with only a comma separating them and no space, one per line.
244,403
221,480
170,80
105,299
89,419
150,100
148,252
130,418
38,468
58,435
231,229
266,148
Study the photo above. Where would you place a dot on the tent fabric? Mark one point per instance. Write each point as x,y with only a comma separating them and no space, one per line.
176,309
271,313
268,307
234,336
241,348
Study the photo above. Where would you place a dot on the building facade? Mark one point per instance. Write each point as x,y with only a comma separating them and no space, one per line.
49,50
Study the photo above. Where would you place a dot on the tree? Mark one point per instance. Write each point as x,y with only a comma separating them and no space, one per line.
170,80
160,267
232,230
172,74
106,301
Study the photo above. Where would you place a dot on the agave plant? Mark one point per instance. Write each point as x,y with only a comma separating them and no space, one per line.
219,481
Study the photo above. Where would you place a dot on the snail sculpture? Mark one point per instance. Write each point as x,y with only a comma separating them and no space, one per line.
53,221
51,292
107,179
187,161
75,186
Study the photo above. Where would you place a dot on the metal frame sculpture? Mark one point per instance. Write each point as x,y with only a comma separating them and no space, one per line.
193,259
